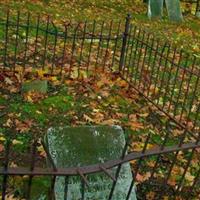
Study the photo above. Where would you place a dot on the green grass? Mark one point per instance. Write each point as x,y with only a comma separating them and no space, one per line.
186,34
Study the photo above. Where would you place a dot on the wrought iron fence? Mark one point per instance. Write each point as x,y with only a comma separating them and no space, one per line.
164,76
197,3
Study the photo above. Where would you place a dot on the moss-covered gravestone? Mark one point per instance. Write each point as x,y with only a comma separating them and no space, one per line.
40,86
81,146
174,10
155,8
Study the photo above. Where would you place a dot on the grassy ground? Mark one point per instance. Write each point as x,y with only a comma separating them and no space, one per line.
186,35
107,100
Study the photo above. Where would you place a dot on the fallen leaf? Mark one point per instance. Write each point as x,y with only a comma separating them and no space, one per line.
1,148
144,177
8,81
87,118
111,122
15,142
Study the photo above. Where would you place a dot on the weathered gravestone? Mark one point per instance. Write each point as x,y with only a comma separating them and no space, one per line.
40,86
155,9
81,146
174,10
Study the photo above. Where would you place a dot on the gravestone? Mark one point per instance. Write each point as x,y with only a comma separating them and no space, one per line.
155,9
174,10
198,14
40,86
87,145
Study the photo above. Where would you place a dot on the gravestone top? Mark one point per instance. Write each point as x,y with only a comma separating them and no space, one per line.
40,86
88,145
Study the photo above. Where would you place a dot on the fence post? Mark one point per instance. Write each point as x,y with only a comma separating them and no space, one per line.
124,42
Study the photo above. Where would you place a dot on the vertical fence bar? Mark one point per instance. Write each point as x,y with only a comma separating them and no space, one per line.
169,78
51,192
153,67
198,6
125,69
82,46
163,75
193,96
99,45
187,90
45,42
180,87
90,48
107,46
16,40
143,63
82,190
131,53
54,48
36,40
135,53
151,47
175,81
117,172
196,180
116,42
34,146
26,41
64,49
5,177
137,168
66,187
159,156
190,156
139,56
124,42
6,38
158,69
73,49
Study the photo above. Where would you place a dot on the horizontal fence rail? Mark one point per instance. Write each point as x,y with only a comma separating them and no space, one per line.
164,76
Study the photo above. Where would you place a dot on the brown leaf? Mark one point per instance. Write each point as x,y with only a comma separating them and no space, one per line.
144,177
1,148
87,118
111,122
150,196
135,125
24,126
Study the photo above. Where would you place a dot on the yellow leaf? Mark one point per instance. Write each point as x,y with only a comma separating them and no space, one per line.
16,142
29,99
38,112
2,139
53,78
189,177
41,72
9,123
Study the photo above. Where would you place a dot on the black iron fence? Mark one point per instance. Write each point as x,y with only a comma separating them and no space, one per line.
196,2
165,76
